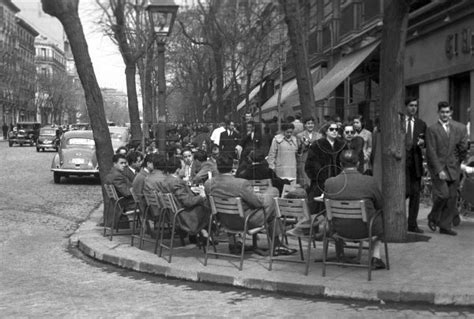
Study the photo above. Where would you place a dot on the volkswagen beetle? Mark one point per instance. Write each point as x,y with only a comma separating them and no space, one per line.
76,156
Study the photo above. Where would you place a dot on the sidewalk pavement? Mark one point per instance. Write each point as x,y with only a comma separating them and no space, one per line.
437,271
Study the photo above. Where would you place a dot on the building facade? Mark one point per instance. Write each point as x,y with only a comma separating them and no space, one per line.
344,45
26,71
52,81
8,47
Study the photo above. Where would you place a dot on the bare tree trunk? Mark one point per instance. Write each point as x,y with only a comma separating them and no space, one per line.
67,12
393,144
299,50
219,101
135,128
162,118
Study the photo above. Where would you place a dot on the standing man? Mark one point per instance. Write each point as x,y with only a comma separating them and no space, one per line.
251,140
414,141
446,148
216,133
229,140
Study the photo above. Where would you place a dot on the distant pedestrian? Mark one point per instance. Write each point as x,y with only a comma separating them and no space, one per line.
367,136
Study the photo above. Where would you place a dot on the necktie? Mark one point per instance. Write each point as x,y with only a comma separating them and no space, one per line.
409,137
446,127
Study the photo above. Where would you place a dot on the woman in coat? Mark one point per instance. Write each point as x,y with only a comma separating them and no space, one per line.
282,154
323,162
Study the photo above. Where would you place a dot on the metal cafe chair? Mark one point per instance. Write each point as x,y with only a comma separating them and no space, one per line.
115,203
170,213
229,211
152,203
261,185
294,209
351,209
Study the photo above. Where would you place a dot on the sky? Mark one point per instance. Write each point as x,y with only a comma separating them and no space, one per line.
106,59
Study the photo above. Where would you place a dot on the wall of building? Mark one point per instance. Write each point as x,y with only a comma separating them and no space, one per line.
430,94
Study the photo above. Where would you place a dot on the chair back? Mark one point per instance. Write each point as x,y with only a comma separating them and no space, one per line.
134,196
286,189
111,192
261,185
151,199
168,201
292,207
226,206
345,209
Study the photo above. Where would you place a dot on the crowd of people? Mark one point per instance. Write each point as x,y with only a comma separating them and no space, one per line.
221,160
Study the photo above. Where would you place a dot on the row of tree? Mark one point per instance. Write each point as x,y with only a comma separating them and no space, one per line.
217,45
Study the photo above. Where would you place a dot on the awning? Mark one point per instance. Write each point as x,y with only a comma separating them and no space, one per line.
289,92
341,71
251,95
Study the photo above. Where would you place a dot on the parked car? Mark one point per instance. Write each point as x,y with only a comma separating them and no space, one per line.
24,133
47,139
119,135
76,156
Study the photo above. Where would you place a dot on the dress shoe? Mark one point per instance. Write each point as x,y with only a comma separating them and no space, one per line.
284,251
447,232
415,229
377,264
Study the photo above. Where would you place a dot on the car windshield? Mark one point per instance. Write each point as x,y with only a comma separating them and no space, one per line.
116,136
80,142
48,132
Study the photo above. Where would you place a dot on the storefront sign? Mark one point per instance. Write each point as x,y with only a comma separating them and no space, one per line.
459,43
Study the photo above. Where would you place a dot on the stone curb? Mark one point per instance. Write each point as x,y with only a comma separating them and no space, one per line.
91,243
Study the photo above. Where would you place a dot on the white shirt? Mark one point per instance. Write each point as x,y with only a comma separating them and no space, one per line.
216,135
410,121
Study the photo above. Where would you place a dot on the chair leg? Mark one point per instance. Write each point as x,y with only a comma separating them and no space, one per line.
162,231
325,251
386,254
243,250
172,238
308,258
370,260
158,240
359,254
272,244
113,222
301,248
209,235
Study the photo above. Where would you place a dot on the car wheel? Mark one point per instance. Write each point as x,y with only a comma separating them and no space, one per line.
57,177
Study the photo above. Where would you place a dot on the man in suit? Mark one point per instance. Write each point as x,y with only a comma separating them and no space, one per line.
196,210
121,183
415,140
251,140
191,166
227,186
135,160
229,140
208,166
305,139
350,184
446,148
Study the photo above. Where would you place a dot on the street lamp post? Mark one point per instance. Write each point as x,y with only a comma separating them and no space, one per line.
162,14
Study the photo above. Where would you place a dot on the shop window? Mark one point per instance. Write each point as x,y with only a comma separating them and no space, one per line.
347,19
459,96
371,9
313,42
326,36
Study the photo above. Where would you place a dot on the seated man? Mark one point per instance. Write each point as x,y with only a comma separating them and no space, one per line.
134,160
208,167
139,181
154,179
350,184
196,211
226,185
121,183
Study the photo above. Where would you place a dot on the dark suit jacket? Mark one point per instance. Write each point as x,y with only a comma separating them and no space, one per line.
121,183
196,212
445,152
352,185
138,186
357,144
248,143
129,174
226,185
228,143
323,162
414,156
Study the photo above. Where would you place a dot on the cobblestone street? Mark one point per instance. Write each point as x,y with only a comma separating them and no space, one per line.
42,277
